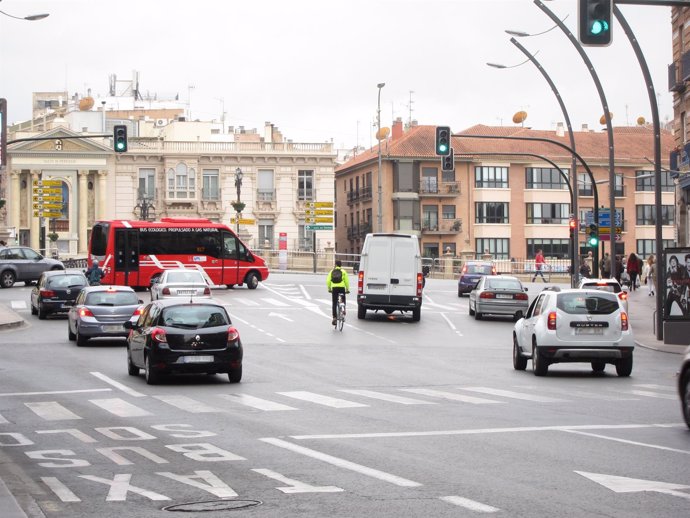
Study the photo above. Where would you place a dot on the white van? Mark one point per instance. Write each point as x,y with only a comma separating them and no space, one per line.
390,275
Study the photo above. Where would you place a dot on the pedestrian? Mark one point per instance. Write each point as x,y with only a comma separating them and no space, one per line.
605,266
633,267
94,274
651,274
539,263
589,261
619,268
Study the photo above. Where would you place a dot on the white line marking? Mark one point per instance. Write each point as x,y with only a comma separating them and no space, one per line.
295,486
469,504
244,302
62,491
51,411
451,396
305,292
255,402
387,397
120,407
342,463
322,400
452,326
118,385
276,302
656,387
52,392
187,404
3,420
514,395
651,394
18,304
624,441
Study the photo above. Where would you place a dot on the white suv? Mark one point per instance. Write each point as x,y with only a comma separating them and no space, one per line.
610,285
574,325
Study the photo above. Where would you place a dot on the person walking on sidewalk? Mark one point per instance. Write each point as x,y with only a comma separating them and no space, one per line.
539,263
651,274
633,267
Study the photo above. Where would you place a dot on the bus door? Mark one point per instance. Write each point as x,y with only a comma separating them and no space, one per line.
127,256
231,263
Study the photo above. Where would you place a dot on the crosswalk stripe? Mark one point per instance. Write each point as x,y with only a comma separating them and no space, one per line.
514,395
256,402
387,397
650,394
241,301
276,302
119,407
322,400
451,395
18,304
656,387
187,404
51,411
3,420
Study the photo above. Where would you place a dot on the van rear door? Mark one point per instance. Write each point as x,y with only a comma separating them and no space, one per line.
378,267
403,271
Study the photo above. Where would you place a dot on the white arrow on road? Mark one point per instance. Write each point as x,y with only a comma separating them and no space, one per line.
279,316
634,485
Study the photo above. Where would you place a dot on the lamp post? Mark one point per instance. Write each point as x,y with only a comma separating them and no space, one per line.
379,215
30,18
144,205
238,205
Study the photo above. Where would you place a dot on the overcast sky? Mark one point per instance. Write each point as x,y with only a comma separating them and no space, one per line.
311,67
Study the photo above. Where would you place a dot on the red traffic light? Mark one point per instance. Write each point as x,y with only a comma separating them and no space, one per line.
573,224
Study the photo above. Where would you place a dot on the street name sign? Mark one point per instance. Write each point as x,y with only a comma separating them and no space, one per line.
318,227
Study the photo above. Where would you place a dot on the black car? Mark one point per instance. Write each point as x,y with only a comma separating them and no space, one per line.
180,336
471,272
56,292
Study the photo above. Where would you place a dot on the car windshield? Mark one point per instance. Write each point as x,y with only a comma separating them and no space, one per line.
65,281
497,283
111,298
603,286
194,317
587,304
194,277
479,268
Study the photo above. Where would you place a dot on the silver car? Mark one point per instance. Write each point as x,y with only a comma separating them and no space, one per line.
498,295
21,263
181,282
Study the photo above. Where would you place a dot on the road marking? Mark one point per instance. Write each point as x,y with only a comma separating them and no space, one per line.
470,504
451,396
656,387
635,485
62,491
276,302
54,392
650,394
187,404
118,385
304,292
342,463
452,326
120,407
387,397
625,441
51,411
295,486
18,304
279,315
322,400
242,301
514,395
255,402
3,420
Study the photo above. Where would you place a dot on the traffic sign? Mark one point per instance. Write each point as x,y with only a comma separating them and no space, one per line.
47,190
323,212
318,227
318,220
319,204
42,199
49,206
47,183
47,214
243,221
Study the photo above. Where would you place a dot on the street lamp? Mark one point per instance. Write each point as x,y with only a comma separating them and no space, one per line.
379,216
238,205
30,18
144,205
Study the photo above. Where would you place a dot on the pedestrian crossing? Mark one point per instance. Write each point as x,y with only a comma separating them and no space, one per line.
337,399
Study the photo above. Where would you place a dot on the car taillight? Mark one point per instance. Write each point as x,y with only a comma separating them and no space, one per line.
207,291
493,270
420,284
360,282
166,291
233,334
551,322
158,335
521,296
85,312
47,293
623,295
624,321
487,295
138,311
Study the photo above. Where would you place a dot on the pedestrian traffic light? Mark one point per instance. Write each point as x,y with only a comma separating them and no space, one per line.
120,138
573,225
595,22
443,147
593,238
448,162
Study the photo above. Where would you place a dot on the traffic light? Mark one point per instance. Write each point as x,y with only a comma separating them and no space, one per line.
120,138
595,22
573,226
593,239
448,162
443,147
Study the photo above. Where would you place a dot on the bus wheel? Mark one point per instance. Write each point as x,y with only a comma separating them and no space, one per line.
252,281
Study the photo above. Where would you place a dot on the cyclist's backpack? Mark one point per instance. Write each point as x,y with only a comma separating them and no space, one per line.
336,276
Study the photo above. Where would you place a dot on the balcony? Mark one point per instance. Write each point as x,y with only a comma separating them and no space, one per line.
359,195
358,231
679,74
439,190
449,226
266,204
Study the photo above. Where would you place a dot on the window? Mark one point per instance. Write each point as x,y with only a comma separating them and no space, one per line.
305,237
404,177
265,190
544,178
305,185
548,213
430,217
490,212
429,180
619,190
147,183
499,248
266,233
645,181
406,215
646,247
491,177
646,214
181,182
558,248
584,185
448,212
449,247
430,250
210,187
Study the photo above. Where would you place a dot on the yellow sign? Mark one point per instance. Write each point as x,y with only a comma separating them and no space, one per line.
318,220
48,190
319,212
320,204
56,206
243,221
47,183
47,214
39,199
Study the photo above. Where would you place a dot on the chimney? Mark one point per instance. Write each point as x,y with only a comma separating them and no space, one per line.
560,129
585,127
397,128
268,132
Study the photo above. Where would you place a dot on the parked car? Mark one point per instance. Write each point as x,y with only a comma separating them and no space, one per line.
684,386
56,292
498,295
180,336
180,282
21,263
471,272
574,325
610,285
100,312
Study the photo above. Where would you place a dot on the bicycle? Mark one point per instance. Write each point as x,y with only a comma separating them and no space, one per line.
340,313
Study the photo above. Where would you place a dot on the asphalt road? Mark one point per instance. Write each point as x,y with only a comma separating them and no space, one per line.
388,418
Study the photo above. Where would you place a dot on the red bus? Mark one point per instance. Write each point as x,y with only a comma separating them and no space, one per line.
131,253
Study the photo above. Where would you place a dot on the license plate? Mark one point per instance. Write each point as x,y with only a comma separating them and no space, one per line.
197,359
186,292
503,296
113,328
589,330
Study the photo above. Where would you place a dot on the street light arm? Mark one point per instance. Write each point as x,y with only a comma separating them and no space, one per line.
522,34
498,65
30,18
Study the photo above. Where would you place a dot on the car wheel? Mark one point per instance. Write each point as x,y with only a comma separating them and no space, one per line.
598,366
33,309
70,335
152,377
517,316
235,375
624,366
81,340
519,361
7,279
252,281
469,309
361,312
685,396
540,366
477,314
42,313
132,369
416,314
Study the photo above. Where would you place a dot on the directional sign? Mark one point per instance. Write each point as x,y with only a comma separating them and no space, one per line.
318,220
44,199
46,214
47,183
47,190
56,206
318,227
243,221
320,204
317,212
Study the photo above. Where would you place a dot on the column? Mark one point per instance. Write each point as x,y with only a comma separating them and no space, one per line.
34,222
101,208
16,202
83,194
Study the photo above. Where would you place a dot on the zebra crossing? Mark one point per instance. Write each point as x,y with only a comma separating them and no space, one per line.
338,399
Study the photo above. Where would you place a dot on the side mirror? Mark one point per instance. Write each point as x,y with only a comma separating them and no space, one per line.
129,324
525,288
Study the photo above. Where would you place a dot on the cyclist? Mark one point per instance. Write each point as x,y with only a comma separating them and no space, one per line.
337,282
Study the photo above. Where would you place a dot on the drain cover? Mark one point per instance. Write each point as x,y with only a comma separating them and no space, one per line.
212,505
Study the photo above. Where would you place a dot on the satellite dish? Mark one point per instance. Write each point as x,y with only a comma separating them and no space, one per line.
519,117
641,121
85,104
382,134
602,120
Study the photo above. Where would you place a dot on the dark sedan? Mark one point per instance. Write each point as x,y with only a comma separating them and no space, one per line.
179,336
471,272
100,312
56,292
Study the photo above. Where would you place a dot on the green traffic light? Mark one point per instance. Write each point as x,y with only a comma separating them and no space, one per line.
593,241
598,27
442,148
120,145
